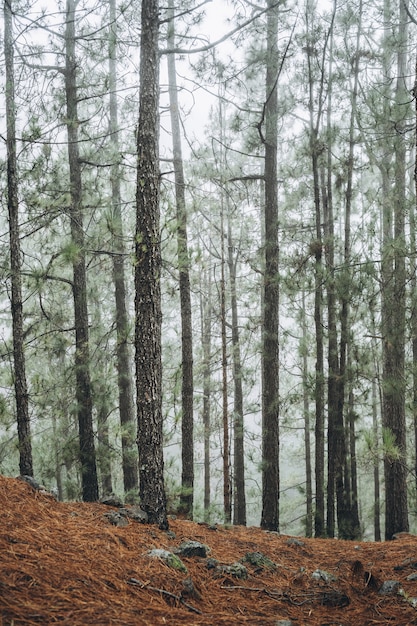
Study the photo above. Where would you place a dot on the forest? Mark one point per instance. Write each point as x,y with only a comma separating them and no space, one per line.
208,258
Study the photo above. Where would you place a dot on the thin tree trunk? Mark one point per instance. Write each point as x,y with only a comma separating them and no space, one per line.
227,501
377,496
206,306
336,448
20,383
270,363
393,313
354,528
351,525
316,249
82,358
306,414
124,376
319,529
187,392
239,497
147,277
413,284
103,451
338,483
58,460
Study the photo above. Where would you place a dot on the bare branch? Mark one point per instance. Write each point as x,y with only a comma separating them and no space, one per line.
209,46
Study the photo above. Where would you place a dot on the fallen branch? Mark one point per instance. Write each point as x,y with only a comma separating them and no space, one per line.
168,594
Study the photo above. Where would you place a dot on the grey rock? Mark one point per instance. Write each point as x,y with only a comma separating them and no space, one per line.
259,560
32,482
135,513
237,570
212,563
192,548
320,574
116,519
284,622
389,587
412,577
335,599
293,541
111,500
189,590
172,560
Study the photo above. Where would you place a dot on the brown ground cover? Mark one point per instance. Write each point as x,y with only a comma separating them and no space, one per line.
64,563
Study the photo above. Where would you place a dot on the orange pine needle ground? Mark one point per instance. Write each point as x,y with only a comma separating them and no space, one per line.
64,563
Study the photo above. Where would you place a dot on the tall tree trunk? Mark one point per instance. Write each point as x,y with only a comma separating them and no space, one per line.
103,450
353,527
393,312
350,525
336,433
20,383
124,377
377,496
82,357
187,391
307,426
338,483
206,306
147,277
413,284
316,250
270,363
227,487
239,497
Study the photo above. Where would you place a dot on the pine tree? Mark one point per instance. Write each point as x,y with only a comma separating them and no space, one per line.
270,365
20,383
147,277
82,352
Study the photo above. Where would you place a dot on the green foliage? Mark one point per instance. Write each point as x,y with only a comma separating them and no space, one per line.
70,252
390,449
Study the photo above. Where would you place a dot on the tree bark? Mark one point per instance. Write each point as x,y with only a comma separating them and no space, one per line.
393,309
206,306
124,377
239,496
227,487
87,453
187,390
350,524
20,383
147,277
376,460
317,250
413,283
307,426
270,364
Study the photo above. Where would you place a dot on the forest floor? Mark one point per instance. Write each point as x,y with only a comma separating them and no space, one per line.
65,563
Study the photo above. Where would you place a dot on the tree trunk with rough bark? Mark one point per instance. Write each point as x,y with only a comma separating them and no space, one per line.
20,383
393,305
147,277
187,390
206,307
239,496
270,365
87,453
124,376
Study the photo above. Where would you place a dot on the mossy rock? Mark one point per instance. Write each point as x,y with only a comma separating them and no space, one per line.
259,560
172,560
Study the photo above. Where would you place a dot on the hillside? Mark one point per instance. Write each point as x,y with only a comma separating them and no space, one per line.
66,563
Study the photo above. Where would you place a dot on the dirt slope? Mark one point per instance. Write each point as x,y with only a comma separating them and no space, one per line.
65,563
